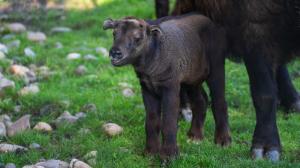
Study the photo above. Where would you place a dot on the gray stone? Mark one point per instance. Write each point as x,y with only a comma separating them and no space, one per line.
53,164
61,29
73,56
90,57
80,70
127,92
187,114
20,125
10,165
103,51
23,72
29,52
14,44
16,27
43,126
6,83
5,148
34,146
36,36
75,163
112,129
30,89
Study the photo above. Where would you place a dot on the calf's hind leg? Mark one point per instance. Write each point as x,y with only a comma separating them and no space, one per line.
197,96
216,84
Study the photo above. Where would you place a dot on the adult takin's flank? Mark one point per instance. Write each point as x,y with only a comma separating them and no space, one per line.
168,60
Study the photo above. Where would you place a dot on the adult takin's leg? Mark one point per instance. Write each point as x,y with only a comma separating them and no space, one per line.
161,8
288,95
266,140
153,120
170,111
199,106
216,84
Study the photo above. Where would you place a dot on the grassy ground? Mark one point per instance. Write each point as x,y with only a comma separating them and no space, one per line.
100,86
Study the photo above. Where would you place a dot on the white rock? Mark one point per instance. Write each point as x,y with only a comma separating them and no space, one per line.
2,55
30,89
8,36
80,70
127,92
60,30
14,44
36,36
16,27
90,57
29,52
23,72
53,164
103,51
19,70
18,126
43,126
6,83
187,114
5,148
3,48
73,56
2,129
112,129
34,146
4,118
10,165
75,163
33,166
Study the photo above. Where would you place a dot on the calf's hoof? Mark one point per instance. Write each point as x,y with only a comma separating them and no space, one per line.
168,153
151,151
223,139
272,155
195,137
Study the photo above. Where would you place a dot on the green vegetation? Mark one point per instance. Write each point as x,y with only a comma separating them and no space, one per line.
100,86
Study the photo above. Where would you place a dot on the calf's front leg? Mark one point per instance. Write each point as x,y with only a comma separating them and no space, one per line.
152,123
170,111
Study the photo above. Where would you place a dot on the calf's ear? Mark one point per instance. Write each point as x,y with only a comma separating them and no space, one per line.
109,24
155,30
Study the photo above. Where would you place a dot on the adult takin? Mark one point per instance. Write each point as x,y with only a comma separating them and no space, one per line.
168,60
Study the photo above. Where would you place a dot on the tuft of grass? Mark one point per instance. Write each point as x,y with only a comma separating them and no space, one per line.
100,86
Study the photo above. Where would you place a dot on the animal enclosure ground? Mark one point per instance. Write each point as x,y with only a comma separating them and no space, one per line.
65,90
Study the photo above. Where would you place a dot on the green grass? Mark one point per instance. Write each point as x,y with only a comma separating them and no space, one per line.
100,86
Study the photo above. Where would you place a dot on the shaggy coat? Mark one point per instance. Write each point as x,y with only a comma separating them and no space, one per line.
176,55
266,34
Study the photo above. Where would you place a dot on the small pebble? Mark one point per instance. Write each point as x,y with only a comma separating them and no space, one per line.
112,129
34,146
10,165
43,126
127,92
73,56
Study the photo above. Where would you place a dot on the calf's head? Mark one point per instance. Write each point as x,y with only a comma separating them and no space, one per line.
131,38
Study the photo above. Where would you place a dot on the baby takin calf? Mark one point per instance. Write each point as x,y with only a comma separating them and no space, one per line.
171,56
